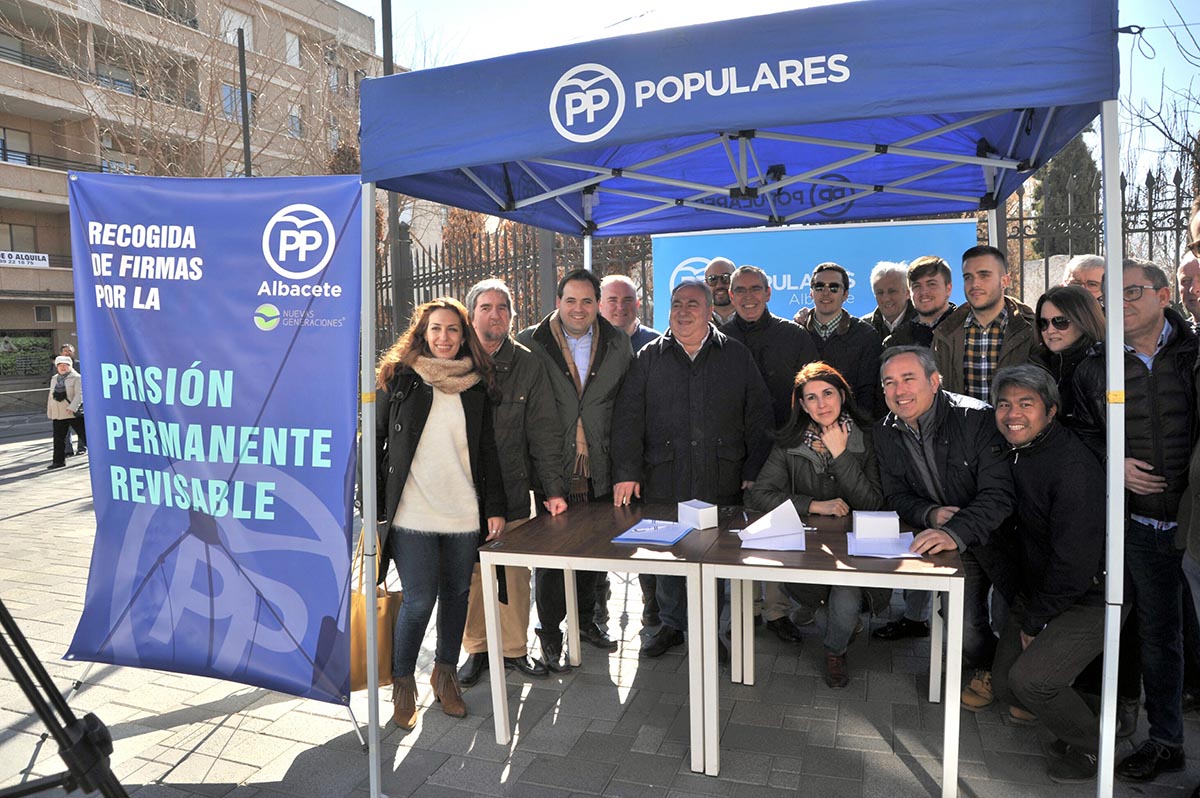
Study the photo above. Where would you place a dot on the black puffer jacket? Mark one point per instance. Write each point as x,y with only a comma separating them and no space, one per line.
1160,414
402,412
914,333
691,429
1061,366
854,350
1060,525
780,348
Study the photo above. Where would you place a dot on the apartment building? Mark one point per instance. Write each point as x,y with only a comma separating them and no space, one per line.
151,87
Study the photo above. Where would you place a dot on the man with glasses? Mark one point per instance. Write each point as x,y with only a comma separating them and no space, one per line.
717,277
988,333
1160,430
1087,272
848,344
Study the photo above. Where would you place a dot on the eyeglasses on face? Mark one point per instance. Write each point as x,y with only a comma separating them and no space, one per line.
718,279
1132,293
742,290
833,288
1059,322
1091,285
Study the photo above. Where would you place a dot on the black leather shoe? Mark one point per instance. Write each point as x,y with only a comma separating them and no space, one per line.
1150,759
898,630
534,669
663,640
785,630
472,669
553,656
53,466
591,633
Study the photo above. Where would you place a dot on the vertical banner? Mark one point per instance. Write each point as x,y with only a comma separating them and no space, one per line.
220,318
789,254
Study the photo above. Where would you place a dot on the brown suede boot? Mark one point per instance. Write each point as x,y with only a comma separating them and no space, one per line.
447,691
404,702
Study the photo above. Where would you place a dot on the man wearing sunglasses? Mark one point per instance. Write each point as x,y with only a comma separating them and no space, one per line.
1160,430
849,344
718,276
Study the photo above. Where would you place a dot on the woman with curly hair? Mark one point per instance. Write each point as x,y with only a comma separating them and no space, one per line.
439,487
824,463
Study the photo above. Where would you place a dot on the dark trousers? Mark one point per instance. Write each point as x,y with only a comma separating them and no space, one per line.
550,595
1153,584
1039,678
61,425
434,569
979,641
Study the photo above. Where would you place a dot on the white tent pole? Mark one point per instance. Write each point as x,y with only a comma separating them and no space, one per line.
993,216
367,442
587,252
1114,360
589,204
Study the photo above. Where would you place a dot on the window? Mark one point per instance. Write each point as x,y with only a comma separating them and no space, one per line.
295,122
18,238
14,146
231,103
339,79
11,47
66,314
231,20
291,43
43,314
116,165
334,134
114,77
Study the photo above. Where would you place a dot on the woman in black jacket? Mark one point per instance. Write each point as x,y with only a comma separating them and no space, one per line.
1069,321
439,477
824,463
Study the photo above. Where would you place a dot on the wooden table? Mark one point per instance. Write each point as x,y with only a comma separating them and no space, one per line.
581,539
824,562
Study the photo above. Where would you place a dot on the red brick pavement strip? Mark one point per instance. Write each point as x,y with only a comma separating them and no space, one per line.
614,727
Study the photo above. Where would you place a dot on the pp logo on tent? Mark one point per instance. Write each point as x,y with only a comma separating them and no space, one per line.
587,102
298,241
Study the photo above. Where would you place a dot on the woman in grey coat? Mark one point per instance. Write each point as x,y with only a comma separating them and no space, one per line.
824,463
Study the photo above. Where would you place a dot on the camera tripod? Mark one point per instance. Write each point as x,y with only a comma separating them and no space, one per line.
84,744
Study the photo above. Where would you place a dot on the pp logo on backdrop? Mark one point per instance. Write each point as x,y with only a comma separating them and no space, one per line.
298,241
691,269
587,102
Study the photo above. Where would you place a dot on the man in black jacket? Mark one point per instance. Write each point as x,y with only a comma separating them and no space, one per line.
524,424
780,349
691,422
942,467
1055,626
1160,430
893,307
929,282
848,344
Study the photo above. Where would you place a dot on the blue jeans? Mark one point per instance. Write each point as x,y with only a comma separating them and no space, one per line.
979,639
1154,587
433,567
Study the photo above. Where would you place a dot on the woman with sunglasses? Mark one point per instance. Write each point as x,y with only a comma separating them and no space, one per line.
1069,321
824,463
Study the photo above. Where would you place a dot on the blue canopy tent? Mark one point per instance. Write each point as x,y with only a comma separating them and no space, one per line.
861,111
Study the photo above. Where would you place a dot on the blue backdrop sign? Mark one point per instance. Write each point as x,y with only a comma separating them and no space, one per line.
220,324
788,256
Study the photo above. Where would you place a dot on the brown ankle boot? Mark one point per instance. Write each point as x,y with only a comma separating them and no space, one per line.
404,702
447,691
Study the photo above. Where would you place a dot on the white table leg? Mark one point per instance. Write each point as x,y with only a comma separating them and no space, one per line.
491,619
695,640
936,627
735,630
712,702
748,631
953,710
569,595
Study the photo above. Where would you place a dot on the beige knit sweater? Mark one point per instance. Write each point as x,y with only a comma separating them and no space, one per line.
439,495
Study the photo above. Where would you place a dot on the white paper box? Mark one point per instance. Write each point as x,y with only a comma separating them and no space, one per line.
876,525
698,514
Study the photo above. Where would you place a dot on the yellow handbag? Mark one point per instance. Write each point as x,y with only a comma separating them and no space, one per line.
387,603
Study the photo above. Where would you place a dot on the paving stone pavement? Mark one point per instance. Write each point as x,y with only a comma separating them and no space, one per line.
618,726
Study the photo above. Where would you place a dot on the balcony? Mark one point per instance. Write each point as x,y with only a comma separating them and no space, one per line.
177,14
36,61
47,161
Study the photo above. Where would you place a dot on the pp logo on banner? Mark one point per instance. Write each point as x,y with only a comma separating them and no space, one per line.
587,102
298,241
689,270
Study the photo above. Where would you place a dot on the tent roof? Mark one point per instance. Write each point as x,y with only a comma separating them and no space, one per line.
866,110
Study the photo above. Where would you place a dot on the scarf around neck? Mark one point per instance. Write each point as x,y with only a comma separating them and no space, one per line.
448,376
582,471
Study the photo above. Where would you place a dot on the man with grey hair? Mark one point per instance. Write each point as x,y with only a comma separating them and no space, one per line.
1055,625
942,468
889,283
619,303
1087,272
524,421
717,277
1160,352
691,421
1189,286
